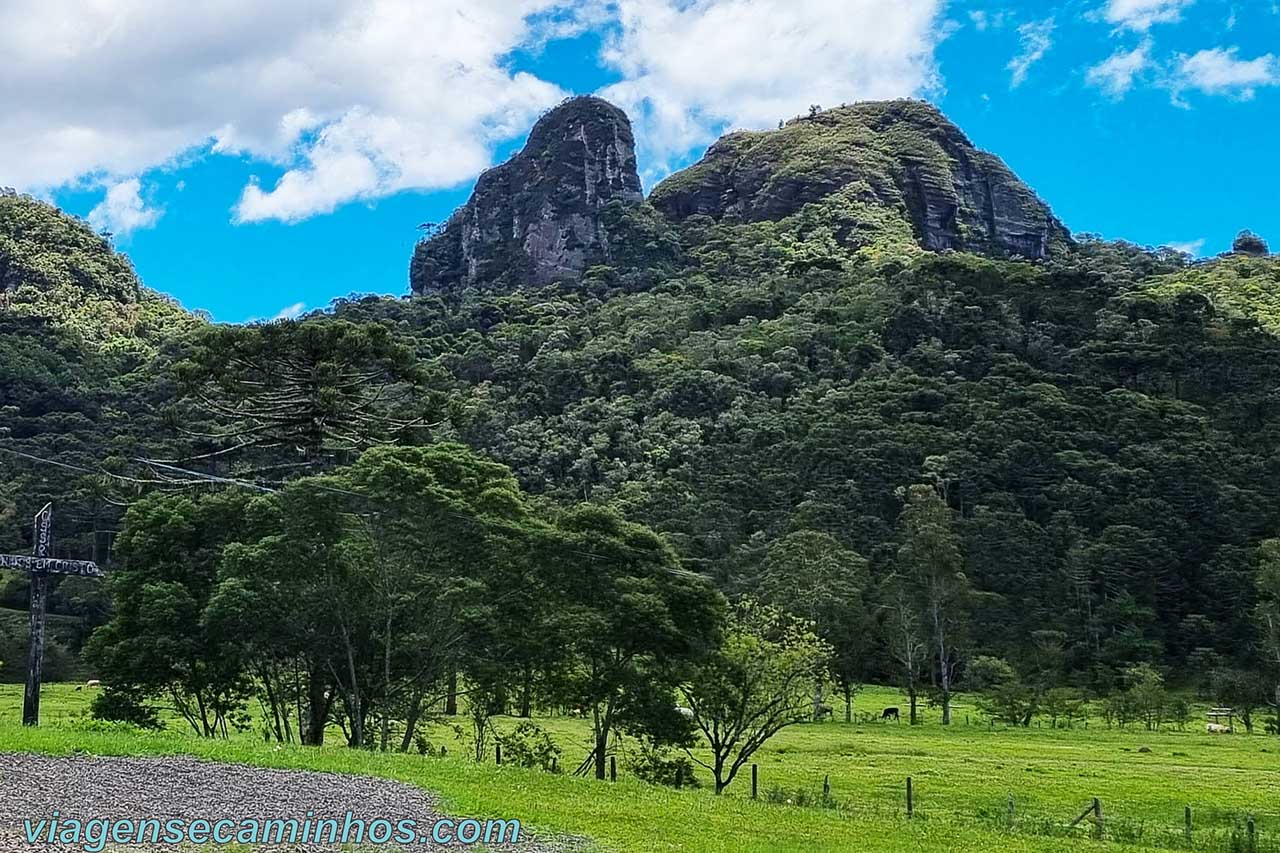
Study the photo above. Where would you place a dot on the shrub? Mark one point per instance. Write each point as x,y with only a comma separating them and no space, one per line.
118,706
662,766
529,745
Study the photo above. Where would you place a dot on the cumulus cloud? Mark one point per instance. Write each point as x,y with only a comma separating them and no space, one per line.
123,210
352,98
1115,75
1036,39
692,68
1221,72
1142,15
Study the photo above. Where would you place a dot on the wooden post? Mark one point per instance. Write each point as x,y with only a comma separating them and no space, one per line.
1098,825
42,540
613,768
755,781
554,762
911,806
35,653
826,787
679,776
1186,825
39,566
1011,810
497,753
1252,831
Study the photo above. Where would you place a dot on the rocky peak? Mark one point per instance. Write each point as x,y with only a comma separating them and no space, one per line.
536,218
902,155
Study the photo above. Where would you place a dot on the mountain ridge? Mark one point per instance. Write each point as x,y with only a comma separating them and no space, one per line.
884,167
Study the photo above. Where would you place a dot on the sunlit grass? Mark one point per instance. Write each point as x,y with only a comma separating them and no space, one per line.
960,774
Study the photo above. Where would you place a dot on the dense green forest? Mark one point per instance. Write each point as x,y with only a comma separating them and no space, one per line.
811,409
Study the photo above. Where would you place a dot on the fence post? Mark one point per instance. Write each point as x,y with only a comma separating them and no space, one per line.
1012,812
613,768
553,765
1253,835
1186,825
911,806
826,786
1098,830
679,776
497,753
755,780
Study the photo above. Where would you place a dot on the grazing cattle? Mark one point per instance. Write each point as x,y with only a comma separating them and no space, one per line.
1217,729
687,713
891,714
93,684
575,712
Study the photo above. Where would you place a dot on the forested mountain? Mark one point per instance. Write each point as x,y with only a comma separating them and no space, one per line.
760,361
83,382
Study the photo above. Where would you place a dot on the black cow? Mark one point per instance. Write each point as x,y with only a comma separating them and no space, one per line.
890,714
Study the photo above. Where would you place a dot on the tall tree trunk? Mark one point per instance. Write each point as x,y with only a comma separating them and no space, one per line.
317,709
526,694
944,664
911,695
386,685
411,719
848,702
451,697
354,711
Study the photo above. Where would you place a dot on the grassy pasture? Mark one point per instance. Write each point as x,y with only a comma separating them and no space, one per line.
963,779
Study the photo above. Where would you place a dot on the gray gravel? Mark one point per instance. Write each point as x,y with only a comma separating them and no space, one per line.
87,787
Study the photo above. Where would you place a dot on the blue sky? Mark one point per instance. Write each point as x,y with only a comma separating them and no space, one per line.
255,162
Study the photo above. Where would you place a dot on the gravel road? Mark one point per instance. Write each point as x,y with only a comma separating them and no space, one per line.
88,787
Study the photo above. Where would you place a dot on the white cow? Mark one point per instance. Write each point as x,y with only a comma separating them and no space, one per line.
1217,729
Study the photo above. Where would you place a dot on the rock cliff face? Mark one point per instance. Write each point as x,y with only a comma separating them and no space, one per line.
902,155
536,218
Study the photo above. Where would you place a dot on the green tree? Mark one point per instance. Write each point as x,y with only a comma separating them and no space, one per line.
754,686
813,576
639,621
930,562
296,395
158,646
1268,611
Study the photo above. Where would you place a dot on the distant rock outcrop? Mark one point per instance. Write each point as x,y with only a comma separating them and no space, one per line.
902,155
536,218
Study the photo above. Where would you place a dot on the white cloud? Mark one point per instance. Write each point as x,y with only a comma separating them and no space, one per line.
1142,15
1115,75
353,98
294,311
983,21
692,68
1220,72
122,210
1194,248
356,99
1036,40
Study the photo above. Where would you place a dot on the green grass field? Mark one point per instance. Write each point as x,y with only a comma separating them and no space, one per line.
963,778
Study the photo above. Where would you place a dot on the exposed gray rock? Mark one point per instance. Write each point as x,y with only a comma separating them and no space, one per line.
901,155
537,217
